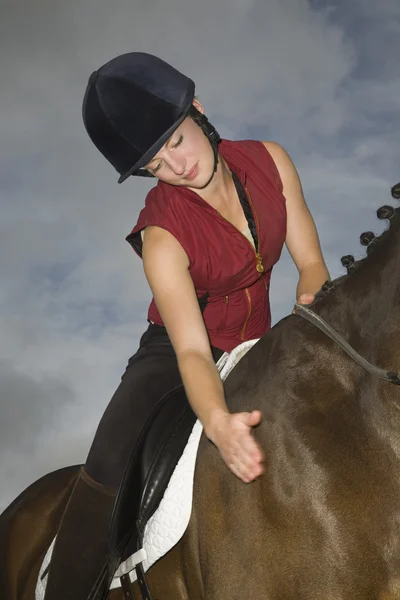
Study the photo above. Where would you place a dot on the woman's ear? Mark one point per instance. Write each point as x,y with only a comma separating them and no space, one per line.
197,104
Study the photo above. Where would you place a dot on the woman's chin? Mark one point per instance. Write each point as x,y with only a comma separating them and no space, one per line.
203,179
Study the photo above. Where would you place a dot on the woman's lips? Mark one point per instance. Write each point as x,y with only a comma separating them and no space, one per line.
193,173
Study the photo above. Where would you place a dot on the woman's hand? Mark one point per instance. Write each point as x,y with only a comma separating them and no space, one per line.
231,433
304,299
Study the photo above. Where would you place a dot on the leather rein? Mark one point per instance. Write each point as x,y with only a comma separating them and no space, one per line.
312,317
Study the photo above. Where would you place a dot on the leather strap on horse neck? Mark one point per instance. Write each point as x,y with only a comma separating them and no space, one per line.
316,320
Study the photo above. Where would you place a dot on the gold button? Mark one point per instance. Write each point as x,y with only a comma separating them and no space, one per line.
260,268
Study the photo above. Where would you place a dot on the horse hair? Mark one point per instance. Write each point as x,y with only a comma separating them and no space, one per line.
367,239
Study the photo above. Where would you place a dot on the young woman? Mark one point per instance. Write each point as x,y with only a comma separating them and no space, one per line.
209,234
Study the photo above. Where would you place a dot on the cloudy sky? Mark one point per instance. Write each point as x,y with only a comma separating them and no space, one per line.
319,77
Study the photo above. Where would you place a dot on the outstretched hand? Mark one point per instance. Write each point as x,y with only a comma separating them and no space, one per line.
232,434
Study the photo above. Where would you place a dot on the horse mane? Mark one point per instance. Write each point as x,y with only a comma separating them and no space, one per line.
367,239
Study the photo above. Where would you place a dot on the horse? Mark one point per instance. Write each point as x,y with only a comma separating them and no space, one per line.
323,521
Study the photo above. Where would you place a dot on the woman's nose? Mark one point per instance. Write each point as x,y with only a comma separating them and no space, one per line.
177,164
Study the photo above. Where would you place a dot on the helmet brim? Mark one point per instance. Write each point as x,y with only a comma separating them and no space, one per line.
152,151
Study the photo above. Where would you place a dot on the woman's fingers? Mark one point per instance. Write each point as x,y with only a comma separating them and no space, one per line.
240,451
304,299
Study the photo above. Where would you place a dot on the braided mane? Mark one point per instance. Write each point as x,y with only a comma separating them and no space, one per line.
367,239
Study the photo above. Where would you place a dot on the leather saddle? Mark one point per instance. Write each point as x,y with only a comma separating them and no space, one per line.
148,472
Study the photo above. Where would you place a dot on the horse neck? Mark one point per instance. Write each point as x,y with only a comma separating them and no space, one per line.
365,307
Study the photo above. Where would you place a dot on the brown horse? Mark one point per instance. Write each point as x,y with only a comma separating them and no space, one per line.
323,522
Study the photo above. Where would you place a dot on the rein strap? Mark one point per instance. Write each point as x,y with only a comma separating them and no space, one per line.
316,320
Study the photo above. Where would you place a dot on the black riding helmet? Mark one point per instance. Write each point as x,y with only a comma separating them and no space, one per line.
132,106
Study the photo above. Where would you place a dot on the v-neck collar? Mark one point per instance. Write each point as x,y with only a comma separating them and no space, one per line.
193,196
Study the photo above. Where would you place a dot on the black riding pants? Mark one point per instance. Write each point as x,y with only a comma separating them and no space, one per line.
151,373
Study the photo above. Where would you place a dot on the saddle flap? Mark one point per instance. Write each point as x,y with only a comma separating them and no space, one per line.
163,447
150,467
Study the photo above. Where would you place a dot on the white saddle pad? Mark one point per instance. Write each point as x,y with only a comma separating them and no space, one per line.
168,524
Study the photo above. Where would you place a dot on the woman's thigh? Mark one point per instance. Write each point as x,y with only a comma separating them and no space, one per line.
151,373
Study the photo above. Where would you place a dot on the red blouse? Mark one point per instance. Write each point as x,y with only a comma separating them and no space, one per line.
223,262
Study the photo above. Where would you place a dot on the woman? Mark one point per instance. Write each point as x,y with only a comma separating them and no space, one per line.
209,235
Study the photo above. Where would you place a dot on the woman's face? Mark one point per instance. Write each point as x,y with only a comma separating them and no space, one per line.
187,158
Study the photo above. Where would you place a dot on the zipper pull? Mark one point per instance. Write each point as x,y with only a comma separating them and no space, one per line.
259,266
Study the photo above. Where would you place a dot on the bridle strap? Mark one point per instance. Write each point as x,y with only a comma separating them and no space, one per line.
316,320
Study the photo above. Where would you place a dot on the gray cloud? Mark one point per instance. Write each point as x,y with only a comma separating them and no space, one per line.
319,77
28,408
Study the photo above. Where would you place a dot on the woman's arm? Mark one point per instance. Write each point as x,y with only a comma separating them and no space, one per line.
302,239
167,270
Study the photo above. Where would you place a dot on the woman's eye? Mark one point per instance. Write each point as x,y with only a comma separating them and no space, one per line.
179,141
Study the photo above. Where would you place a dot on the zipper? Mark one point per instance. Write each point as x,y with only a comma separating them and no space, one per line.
259,265
222,327
248,316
